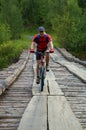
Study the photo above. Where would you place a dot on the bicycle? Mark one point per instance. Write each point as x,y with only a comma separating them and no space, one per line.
42,66
42,69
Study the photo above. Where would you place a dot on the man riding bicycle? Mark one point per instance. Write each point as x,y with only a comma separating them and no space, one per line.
43,43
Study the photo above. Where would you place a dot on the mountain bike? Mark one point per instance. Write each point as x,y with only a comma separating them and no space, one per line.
42,66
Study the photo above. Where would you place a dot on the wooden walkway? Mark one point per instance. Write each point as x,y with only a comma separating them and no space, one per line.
61,105
49,110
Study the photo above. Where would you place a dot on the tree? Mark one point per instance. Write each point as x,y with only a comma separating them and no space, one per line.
5,33
82,3
11,15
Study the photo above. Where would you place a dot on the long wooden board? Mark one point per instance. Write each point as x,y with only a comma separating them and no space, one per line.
50,75
79,72
60,115
54,88
35,115
36,89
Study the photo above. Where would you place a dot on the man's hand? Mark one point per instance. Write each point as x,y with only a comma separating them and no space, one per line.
51,50
31,50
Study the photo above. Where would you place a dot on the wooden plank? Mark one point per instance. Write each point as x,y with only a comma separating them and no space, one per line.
60,115
35,115
0,91
36,89
54,88
79,72
50,75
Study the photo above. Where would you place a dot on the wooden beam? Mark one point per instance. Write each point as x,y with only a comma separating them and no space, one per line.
54,88
60,115
35,115
36,89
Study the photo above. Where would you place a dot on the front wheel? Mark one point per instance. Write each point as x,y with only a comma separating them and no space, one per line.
41,78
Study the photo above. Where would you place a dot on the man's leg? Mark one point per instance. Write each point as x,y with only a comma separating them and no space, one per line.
47,61
37,72
37,68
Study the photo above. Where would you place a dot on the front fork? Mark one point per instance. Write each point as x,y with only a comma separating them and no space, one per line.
42,69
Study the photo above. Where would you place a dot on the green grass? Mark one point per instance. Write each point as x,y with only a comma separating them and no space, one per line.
11,50
80,55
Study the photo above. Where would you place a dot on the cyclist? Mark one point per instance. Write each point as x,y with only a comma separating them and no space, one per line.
43,43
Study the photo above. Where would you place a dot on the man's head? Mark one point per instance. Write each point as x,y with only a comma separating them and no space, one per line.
41,30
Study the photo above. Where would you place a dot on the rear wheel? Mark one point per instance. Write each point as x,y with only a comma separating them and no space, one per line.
41,78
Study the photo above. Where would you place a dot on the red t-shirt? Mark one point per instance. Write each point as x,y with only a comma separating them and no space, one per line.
42,42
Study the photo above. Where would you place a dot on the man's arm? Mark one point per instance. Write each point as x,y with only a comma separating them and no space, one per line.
50,41
33,42
32,45
51,45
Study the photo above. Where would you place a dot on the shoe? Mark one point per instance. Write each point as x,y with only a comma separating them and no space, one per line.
47,68
38,80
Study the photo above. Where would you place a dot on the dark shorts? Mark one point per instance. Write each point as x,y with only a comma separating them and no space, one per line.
38,56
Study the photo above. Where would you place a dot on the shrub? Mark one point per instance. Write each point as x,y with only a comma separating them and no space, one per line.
4,33
10,52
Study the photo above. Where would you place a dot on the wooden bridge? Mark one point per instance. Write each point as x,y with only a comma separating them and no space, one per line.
61,105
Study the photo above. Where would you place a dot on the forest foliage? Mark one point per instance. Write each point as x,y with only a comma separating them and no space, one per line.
65,18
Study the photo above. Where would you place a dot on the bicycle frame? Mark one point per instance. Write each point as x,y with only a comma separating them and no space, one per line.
42,70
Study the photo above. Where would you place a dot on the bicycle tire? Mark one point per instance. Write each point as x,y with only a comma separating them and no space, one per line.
41,78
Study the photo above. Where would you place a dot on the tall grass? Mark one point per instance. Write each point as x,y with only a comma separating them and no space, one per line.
11,50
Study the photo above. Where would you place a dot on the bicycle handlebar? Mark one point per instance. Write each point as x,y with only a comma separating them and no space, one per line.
42,53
